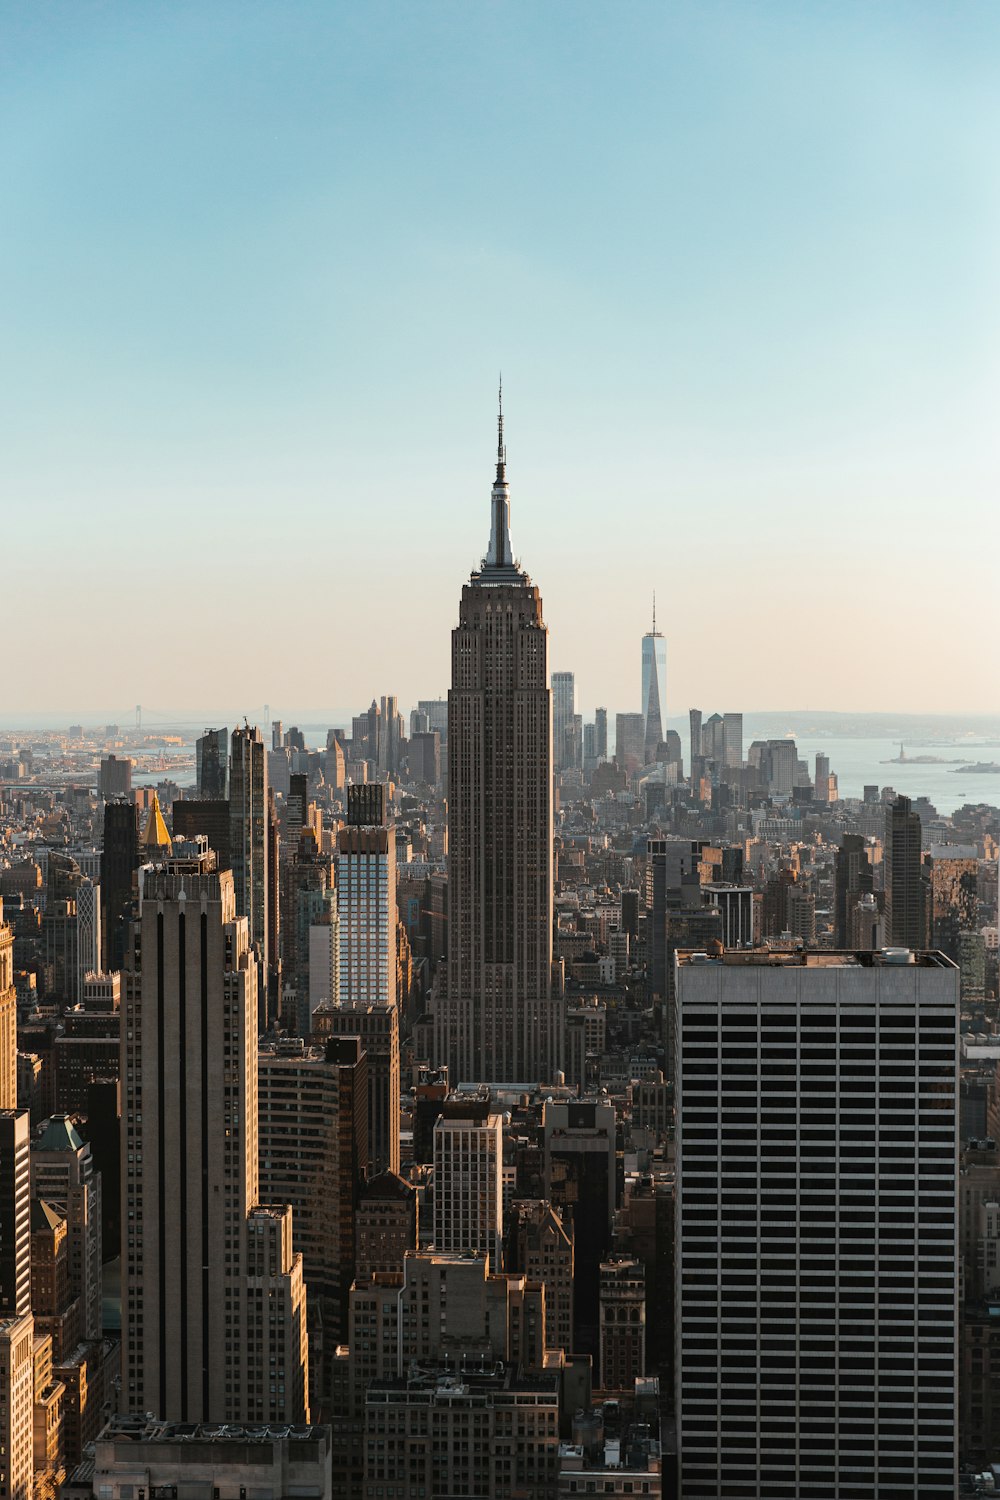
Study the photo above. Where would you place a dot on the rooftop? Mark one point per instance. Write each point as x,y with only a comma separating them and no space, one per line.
136,1429
810,958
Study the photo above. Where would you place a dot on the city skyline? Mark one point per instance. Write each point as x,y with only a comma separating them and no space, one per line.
743,263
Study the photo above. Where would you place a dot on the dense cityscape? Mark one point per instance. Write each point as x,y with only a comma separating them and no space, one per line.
495,1101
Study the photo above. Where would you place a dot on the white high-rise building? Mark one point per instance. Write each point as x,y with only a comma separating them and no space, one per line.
654,689
468,1186
366,899
816,1280
563,714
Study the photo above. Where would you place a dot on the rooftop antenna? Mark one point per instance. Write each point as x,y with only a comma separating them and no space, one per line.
501,450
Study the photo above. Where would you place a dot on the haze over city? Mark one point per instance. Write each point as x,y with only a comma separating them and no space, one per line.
264,263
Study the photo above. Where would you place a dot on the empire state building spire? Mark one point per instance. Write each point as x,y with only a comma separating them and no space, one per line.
500,554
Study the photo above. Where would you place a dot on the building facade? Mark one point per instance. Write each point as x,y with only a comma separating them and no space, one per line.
497,1018
191,1313
816,1226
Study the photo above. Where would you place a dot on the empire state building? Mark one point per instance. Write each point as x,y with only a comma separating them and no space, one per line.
496,1018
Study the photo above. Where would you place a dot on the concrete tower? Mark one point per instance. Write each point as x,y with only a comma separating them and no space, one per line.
497,1018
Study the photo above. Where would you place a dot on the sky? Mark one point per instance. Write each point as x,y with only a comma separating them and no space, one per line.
262,263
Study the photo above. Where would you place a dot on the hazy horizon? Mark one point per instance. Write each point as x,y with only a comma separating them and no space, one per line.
262,266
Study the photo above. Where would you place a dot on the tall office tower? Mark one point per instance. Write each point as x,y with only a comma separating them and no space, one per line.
468,1186
386,1225
392,730
780,765
277,734
654,689
15,1213
273,909
366,912
115,778
694,719
630,733
713,739
601,733
88,932
579,1163
737,906
589,747
17,1387
541,1246
816,1224
563,710
323,976
248,825
436,710
299,1104
366,899
623,1324
821,781
906,886
119,859
196,1339
954,883
498,1018
62,1171
8,1017
377,1027
732,740
211,759
852,879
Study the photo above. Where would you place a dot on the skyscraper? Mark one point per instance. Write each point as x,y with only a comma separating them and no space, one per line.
16,1321
8,1017
630,730
563,711
15,1213
852,879
468,1185
601,733
816,1224
211,753
248,823
732,740
694,720
366,910
497,1018
119,859
906,886
212,1292
654,689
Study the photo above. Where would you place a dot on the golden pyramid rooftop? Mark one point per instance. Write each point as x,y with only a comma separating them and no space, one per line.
155,835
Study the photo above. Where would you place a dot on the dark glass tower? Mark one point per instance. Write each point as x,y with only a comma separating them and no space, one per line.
906,886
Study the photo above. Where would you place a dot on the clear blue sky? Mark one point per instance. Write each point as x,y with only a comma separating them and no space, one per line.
740,265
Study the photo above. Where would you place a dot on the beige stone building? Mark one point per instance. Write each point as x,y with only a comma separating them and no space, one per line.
191,1312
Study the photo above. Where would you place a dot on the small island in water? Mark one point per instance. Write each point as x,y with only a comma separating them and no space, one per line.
981,768
902,759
